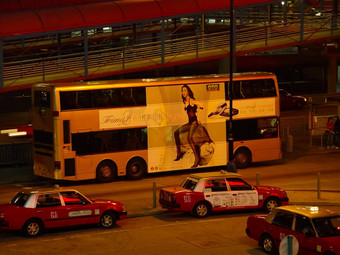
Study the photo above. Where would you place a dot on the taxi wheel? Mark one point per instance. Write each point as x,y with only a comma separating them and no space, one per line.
270,204
136,169
32,228
106,171
268,244
108,220
201,210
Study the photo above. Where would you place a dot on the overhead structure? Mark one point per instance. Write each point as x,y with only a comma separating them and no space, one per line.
27,17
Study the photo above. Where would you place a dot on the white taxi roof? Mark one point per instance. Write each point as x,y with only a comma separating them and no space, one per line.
219,174
309,211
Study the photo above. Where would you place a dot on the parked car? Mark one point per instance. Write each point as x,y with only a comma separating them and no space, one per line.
33,211
204,193
317,230
288,101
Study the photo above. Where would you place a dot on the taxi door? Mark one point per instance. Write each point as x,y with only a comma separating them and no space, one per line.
243,195
78,209
282,226
305,234
216,192
49,208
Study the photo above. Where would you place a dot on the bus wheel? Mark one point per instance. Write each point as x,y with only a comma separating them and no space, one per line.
106,171
242,158
136,169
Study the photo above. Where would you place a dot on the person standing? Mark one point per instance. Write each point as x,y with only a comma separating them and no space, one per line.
330,132
336,132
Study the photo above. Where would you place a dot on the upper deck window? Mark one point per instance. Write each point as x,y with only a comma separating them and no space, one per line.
102,98
254,89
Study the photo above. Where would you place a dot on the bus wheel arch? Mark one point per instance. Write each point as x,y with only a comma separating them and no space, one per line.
136,168
106,171
243,157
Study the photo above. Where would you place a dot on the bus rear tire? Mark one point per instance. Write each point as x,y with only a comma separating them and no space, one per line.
106,171
136,169
242,158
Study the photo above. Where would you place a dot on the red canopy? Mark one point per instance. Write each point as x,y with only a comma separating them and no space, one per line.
20,17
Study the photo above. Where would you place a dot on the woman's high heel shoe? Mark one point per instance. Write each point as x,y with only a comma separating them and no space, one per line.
179,156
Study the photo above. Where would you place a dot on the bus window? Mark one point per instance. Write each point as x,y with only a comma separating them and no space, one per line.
254,89
104,98
68,100
251,129
109,141
84,99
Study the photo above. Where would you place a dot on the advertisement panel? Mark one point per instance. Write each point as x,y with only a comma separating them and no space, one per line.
186,137
186,124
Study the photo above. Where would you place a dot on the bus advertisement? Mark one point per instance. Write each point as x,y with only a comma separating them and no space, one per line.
101,130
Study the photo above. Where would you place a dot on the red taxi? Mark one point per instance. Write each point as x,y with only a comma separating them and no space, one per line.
204,193
33,211
316,230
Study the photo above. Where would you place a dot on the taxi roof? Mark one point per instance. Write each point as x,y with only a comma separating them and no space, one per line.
219,174
309,211
48,190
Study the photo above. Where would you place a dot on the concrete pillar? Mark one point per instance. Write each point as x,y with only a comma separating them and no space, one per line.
2,85
332,74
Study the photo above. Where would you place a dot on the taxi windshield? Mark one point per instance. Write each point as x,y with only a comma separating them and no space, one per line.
328,226
20,199
189,183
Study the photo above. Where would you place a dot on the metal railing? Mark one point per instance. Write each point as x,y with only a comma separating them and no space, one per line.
167,49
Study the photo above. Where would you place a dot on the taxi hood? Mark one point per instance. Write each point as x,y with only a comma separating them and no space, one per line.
105,201
5,207
268,188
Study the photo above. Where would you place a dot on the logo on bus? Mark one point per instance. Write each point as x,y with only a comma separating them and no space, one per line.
213,87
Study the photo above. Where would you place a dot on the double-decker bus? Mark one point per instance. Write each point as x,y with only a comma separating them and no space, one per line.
101,130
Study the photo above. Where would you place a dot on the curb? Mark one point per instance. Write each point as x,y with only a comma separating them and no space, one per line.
160,211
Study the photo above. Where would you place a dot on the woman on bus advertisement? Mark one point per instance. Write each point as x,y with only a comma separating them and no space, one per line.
193,133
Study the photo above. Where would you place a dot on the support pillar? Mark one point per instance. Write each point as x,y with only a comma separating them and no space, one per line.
2,85
86,54
332,74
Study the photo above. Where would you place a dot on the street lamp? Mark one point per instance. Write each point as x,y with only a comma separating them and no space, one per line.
230,96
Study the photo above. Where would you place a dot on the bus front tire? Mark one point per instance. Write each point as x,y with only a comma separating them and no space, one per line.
242,158
136,169
106,171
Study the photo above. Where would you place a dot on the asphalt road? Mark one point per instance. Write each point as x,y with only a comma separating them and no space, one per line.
156,231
